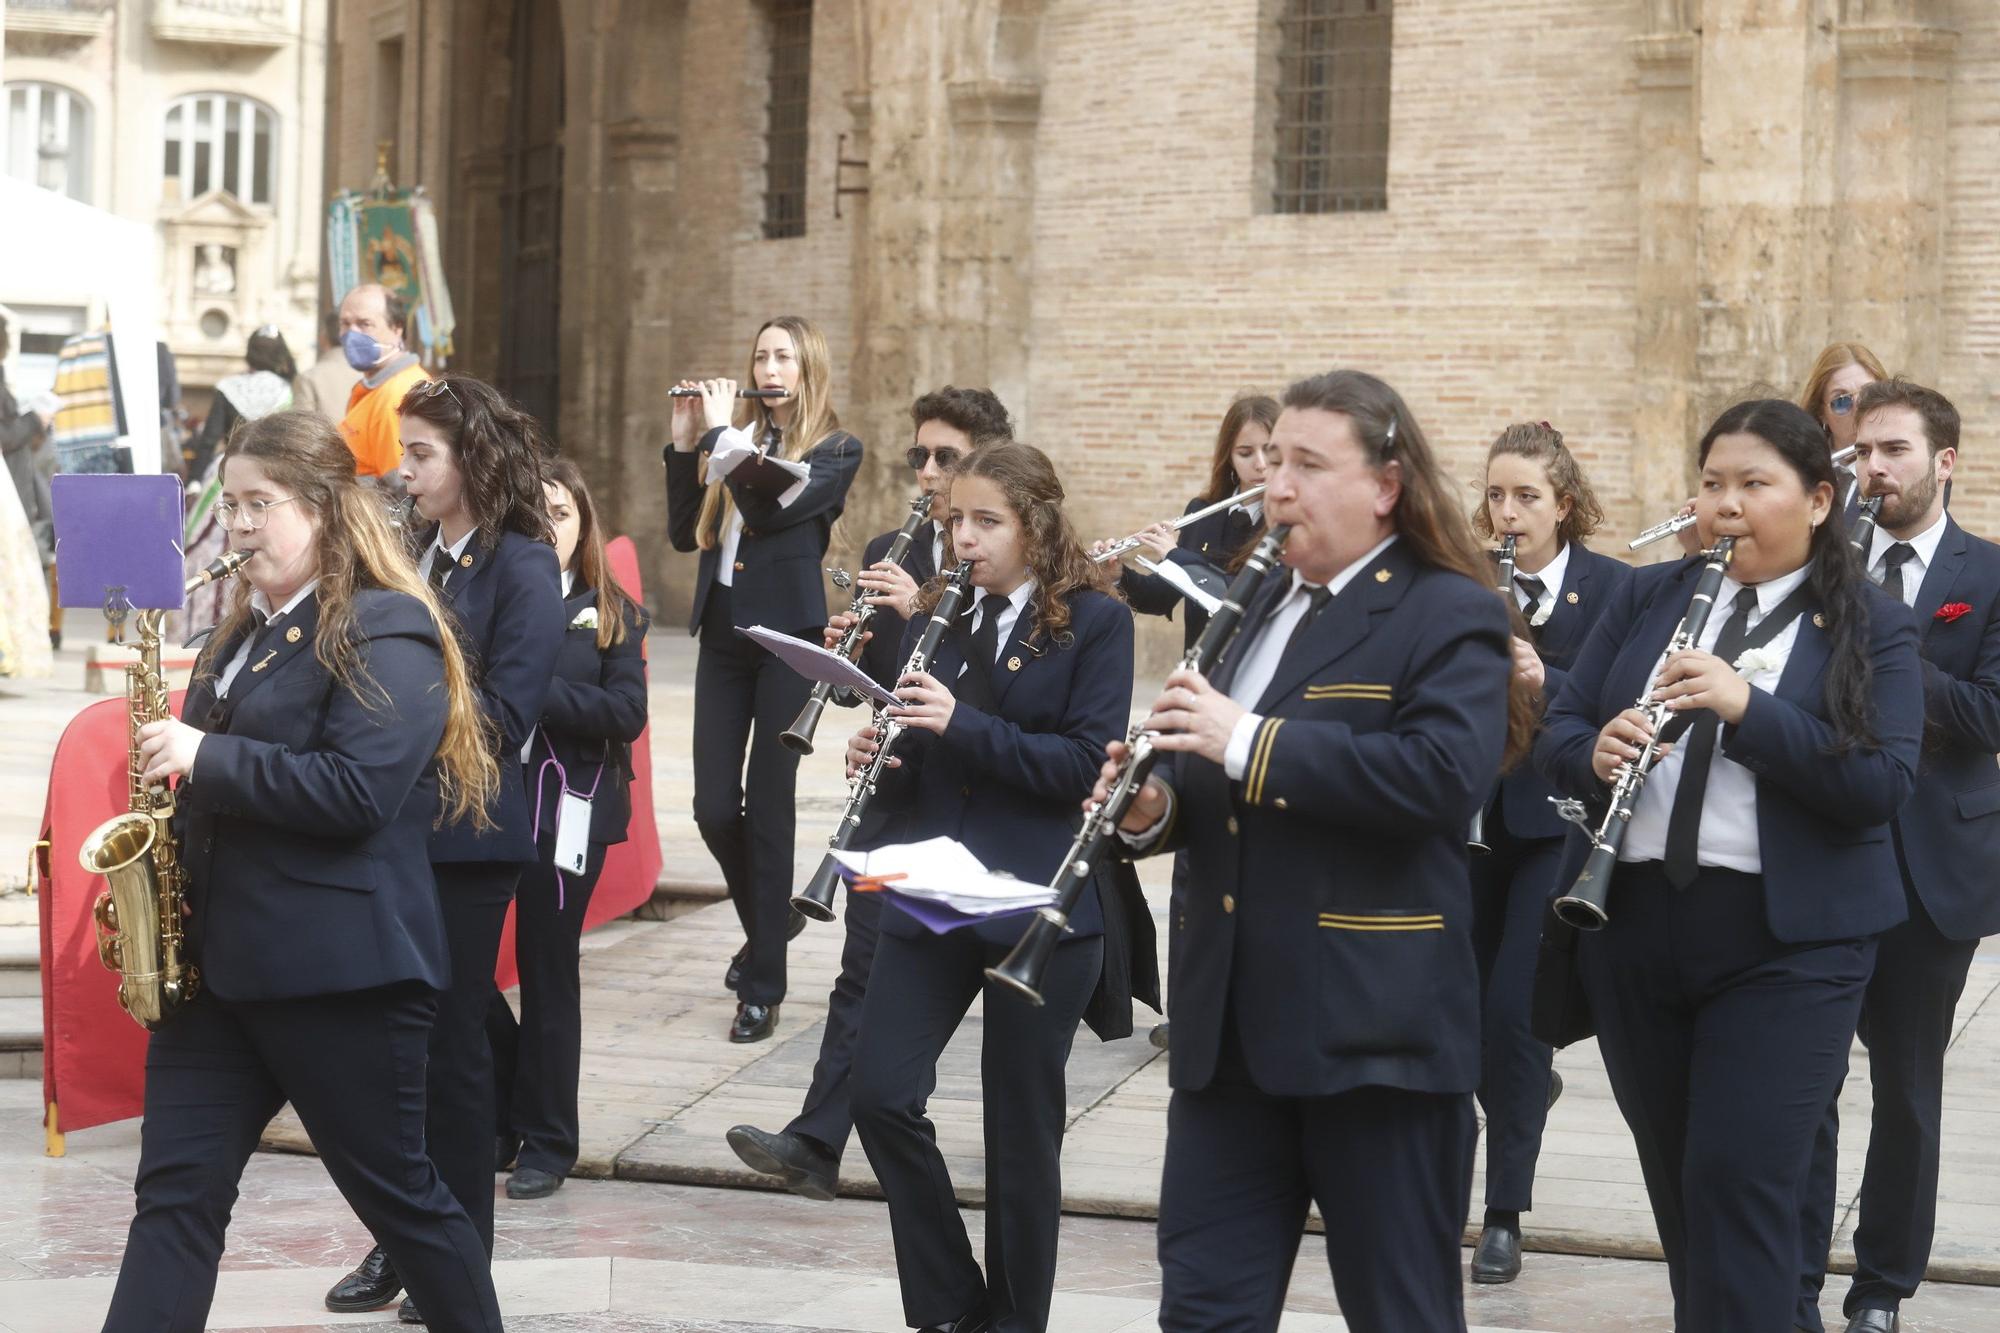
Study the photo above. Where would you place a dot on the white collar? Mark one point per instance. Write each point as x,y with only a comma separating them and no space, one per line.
1017,598
569,581
262,604
1769,593
1345,576
1925,542
1553,573
457,548
1255,508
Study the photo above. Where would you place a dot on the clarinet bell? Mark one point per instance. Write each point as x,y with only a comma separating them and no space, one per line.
798,738
1583,907
815,900
1024,967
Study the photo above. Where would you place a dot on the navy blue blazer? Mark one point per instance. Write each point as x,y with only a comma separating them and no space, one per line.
1822,822
1949,833
306,823
1010,783
1589,585
506,606
595,709
777,581
882,657
1210,543
1327,906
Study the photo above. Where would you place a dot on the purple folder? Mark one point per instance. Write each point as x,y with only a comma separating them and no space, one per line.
119,532
938,918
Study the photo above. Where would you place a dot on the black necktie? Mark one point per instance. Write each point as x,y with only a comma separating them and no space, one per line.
1684,824
1534,587
1316,600
1893,561
986,637
440,568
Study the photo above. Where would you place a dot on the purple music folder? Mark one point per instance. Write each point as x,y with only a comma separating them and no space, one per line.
118,532
941,918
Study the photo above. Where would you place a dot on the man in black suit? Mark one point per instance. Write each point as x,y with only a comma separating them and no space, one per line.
1947,842
950,424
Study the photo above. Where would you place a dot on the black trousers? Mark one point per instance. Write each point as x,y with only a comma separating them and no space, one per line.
827,1117
538,1059
744,695
1510,893
918,993
353,1067
1724,1046
458,1124
1906,1019
1390,1169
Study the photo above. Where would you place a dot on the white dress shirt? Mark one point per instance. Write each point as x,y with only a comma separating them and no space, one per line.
1925,544
452,553
1260,663
1728,835
1552,575
260,604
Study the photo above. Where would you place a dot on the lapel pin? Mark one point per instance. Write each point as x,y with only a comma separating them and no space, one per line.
294,634
1819,620
1013,664
465,561
1381,576
1571,599
266,660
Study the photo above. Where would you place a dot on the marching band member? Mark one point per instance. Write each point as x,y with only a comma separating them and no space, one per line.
1219,542
329,713
1947,839
1756,867
1005,733
761,551
474,465
582,747
1325,1006
1536,491
951,425
1839,373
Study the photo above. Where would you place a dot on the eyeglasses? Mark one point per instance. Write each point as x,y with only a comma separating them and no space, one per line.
256,511
424,391
916,456
1842,403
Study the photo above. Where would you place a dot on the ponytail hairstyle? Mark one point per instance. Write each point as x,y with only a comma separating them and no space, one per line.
1542,444
813,417
614,604
1836,579
501,453
1056,557
306,454
1426,517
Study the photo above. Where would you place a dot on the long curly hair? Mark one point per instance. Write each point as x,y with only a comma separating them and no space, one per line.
1796,436
1056,557
1541,443
502,454
305,453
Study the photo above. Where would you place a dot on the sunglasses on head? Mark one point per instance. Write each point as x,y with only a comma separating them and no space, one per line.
916,456
428,389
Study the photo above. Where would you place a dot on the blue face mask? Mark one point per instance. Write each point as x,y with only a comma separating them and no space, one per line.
362,351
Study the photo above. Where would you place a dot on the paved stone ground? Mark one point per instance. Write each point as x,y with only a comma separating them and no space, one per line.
661,1083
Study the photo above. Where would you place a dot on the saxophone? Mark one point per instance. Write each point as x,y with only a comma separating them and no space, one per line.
139,915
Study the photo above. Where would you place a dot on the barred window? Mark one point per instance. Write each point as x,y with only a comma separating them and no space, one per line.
1332,142
785,118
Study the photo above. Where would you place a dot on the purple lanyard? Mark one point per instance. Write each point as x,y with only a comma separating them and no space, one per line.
562,776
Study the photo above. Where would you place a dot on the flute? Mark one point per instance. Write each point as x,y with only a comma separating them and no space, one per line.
1682,522
1124,544
679,392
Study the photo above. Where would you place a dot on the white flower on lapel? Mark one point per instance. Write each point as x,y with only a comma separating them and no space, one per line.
585,619
1757,661
1542,615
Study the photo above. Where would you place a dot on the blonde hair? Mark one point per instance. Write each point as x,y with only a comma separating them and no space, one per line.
813,417
305,453
1833,359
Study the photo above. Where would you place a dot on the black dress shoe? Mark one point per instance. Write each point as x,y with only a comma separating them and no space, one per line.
372,1285
733,978
1498,1258
1158,1037
977,1322
754,1022
531,1182
408,1313
806,1171
1874,1321
1555,1089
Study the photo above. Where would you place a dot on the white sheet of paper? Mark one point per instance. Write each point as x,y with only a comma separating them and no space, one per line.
820,664
734,446
1175,574
942,870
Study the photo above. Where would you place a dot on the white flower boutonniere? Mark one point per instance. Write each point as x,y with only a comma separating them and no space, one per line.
585,619
1542,615
1757,661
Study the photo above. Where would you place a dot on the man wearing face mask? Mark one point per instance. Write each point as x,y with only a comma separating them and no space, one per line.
372,322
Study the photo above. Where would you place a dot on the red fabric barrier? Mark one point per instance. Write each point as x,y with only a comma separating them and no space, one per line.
93,1061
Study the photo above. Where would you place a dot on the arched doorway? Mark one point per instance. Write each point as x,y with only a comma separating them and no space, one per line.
531,213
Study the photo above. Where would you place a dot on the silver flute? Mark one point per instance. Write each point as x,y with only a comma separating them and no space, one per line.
1132,543
1682,522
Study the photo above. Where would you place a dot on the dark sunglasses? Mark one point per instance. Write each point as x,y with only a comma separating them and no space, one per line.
916,455
1842,403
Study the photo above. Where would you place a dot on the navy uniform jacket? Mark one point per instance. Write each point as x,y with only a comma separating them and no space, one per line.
595,709
306,824
506,606
776,582
882,657
1213,543
1327,909
1822,823
1949,833
1589,585
1010,783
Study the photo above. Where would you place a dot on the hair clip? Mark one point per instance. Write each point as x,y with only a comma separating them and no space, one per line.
1389,439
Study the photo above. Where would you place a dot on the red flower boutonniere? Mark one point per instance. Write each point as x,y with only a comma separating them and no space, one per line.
1951,611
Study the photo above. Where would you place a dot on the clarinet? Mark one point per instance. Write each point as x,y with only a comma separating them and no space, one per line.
816,899
1475,836
799,736
1864,526
1583,907
1022,969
